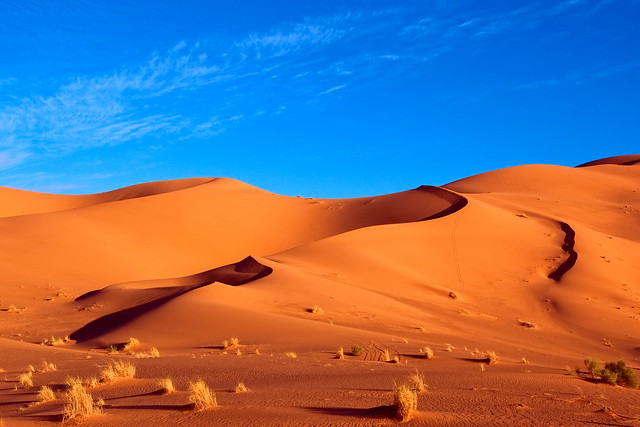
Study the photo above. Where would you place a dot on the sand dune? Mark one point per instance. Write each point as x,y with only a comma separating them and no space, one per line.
535,262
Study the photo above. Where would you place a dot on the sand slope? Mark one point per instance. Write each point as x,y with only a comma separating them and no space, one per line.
520,260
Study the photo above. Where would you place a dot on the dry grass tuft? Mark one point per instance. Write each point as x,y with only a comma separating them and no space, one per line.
428,353
45,394
131,344
117,369
491,357
91,382
231,343
153,353
26,379
449,347
405,401
340,353
416,382
53,341
71,382
241,388
316,309
201,396
166,385
291,354
386,356
48,367
80,404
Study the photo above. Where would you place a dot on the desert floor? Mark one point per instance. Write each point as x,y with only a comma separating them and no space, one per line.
536,264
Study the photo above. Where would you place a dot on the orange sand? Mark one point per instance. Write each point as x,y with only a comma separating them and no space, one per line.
183,265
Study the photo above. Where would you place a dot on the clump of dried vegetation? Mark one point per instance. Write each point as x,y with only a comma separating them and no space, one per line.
26,379
200,396
79,403
241,388
46,394
166,385
230,343
405,401
116,369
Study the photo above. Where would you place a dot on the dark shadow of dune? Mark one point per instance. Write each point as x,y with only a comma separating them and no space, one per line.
624,160
567,247
245,271
456,201
384,411
16,402
56,418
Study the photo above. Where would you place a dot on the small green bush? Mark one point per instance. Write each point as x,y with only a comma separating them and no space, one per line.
356,350
592,365
624,375
614,373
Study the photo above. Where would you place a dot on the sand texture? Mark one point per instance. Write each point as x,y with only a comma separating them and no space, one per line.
539,264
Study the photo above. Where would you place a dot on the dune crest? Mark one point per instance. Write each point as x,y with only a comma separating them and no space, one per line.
513,263
155,293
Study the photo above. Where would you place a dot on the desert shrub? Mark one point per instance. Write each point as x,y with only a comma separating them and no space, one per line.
201,396
356,350
230,343
53,341
117,369
316,309
112,349
91,382
48,367
428,353
619,373
45,394
491,357
80,404
592,365
241,388
405,402
614,373
166,385
153,353
72,382
416,382
131,344
26,379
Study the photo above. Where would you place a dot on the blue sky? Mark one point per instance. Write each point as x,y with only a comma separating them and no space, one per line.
324,99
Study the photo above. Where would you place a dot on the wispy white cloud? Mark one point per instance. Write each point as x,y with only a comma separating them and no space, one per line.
198,89
148,100
332,89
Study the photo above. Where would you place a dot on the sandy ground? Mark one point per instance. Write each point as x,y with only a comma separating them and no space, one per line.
536,263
